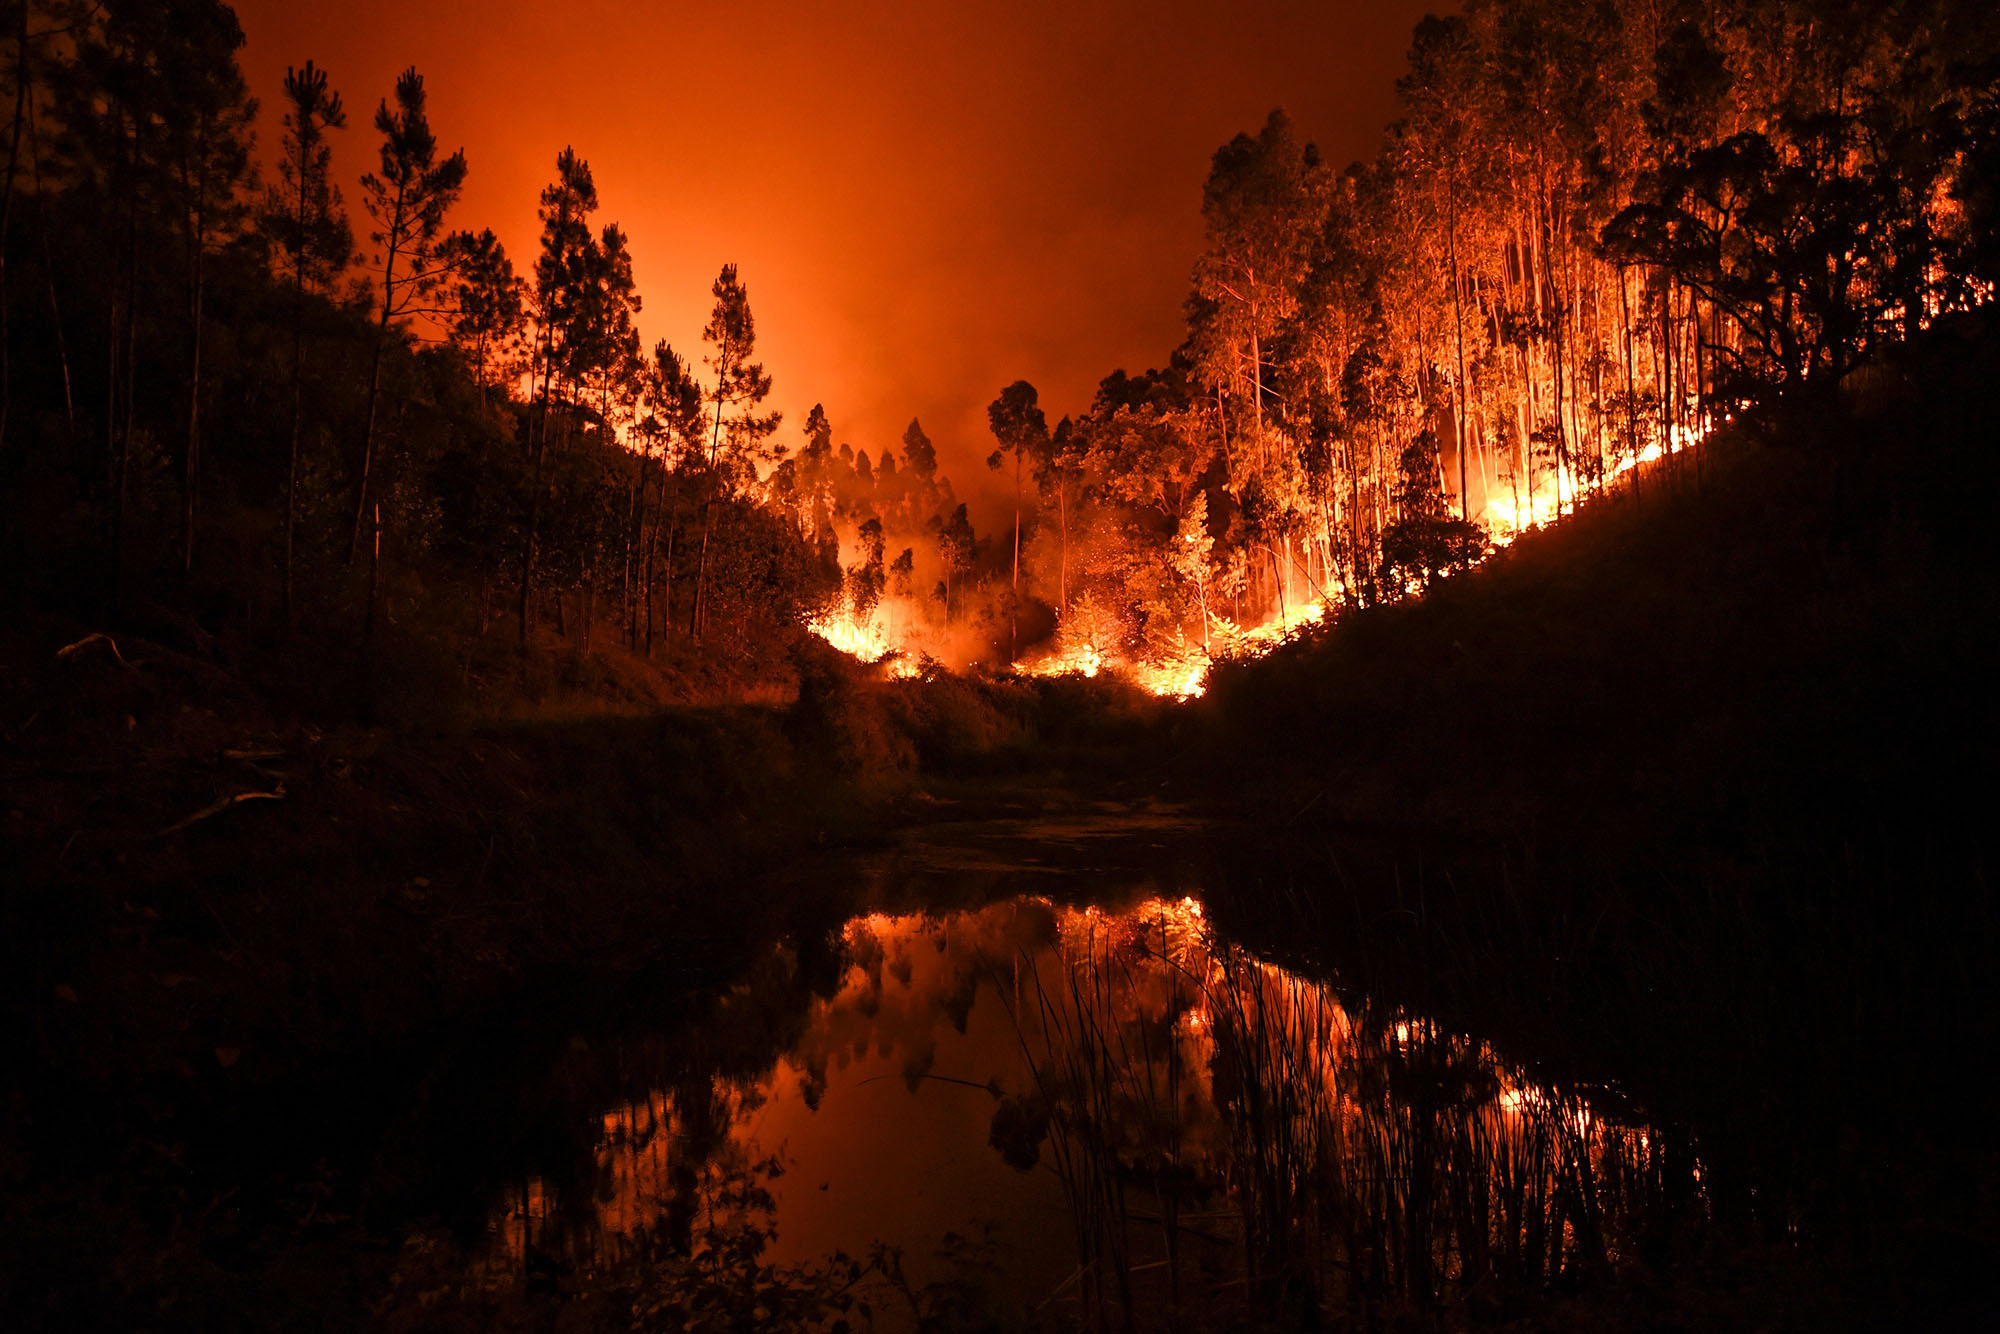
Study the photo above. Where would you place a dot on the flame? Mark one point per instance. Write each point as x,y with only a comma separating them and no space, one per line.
1083,660
1170,679
1508,516
1181,675
869,641
1181,672
865,642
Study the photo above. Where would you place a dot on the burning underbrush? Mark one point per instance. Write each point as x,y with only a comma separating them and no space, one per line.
1115,632
1179,670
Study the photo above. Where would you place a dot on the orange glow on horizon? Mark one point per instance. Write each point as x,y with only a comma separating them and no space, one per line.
907,191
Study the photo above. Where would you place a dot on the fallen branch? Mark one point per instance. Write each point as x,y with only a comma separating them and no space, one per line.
218,807
96,637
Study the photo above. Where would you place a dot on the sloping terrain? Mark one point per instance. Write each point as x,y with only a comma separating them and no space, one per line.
1691,791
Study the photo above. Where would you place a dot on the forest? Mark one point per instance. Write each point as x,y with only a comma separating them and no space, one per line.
233,407
1591,236
1596,233
1447,801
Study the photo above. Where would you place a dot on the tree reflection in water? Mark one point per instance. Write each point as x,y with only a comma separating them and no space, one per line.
1222,1125
1229,1140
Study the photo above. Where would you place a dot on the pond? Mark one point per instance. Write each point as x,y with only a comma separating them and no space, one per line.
1037,1086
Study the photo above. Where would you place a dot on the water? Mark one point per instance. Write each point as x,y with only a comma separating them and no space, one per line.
1039,1088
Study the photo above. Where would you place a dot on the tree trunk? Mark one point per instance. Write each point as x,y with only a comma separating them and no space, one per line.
394,246
129,372
537,447
1631,389
699,612
698,618
49,273
1458,322
298,379
635,550
7,217
292,464
667,591
191,463
1014,602
1062,568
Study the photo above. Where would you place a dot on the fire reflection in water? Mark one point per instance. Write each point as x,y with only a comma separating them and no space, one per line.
1101,1114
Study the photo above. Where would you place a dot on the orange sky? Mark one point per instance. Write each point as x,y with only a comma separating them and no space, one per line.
927,201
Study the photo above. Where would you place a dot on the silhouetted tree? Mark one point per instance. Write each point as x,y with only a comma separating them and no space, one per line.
1023,432
485,302
408,200
736,442
303,216
562,269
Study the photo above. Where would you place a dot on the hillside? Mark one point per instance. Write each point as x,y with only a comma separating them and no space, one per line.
1689,792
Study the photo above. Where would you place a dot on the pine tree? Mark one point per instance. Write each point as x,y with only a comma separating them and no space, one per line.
207,113
304,218
561,269
408,200
736,443
485,300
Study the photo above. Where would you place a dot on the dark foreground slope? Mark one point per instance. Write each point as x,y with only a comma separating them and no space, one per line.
1693,792
255,967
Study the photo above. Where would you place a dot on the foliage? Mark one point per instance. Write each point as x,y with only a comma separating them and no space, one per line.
1585,243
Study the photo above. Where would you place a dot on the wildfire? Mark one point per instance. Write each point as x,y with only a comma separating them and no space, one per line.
1182,675
863,642
1263,637
1182,672
868,641
1508,516
1172,680
1083,660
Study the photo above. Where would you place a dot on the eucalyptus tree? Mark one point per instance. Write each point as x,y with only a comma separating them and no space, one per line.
408,199
1261,206
918,451
955,543
1439,90
866,581
1022,431
805,480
